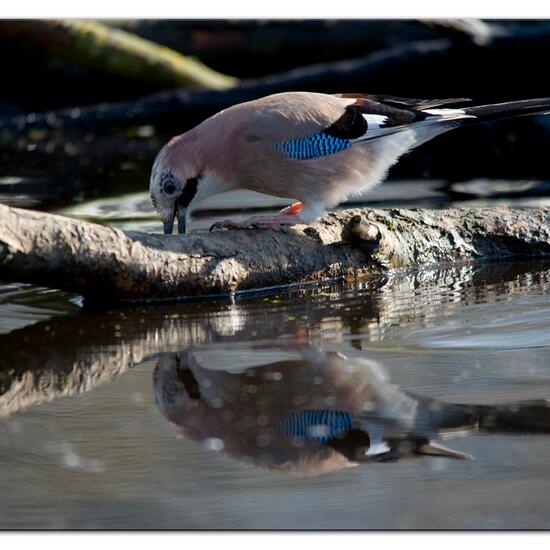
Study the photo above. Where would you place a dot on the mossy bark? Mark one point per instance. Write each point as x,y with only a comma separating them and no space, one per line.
94,44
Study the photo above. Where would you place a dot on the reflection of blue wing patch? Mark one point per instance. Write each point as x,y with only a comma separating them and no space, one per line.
318,145
320,426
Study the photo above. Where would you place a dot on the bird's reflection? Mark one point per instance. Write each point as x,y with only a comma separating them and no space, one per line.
320,413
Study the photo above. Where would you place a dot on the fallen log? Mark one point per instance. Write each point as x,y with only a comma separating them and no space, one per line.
94,44
252,47
106,264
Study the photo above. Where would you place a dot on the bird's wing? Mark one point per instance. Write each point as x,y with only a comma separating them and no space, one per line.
405,102
371,117
318,125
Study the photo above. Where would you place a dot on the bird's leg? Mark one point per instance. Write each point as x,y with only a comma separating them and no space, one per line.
292,210
287,216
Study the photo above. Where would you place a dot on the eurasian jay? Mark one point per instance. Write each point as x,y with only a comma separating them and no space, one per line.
317,148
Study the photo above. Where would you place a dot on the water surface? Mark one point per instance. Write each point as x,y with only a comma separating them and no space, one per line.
103,426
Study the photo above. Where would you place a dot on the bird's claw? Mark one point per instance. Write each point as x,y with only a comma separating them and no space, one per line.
275,223
226,224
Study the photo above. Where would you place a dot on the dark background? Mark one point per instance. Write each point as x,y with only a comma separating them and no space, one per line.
71,126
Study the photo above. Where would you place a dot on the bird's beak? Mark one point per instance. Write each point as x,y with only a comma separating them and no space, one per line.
180,210
169,224
182,218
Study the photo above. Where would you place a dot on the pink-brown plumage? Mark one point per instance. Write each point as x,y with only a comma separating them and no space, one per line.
240,147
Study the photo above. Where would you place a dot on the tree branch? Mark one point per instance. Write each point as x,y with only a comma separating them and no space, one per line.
94,44
108,264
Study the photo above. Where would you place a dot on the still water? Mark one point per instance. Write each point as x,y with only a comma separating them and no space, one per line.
316,407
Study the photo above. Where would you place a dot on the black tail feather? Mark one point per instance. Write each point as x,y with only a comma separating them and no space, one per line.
500,111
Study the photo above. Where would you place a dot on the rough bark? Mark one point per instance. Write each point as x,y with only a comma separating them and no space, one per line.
107,264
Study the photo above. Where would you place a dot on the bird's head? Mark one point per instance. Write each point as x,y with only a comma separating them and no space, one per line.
175,183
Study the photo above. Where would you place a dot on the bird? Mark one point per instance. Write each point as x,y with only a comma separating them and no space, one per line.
319,149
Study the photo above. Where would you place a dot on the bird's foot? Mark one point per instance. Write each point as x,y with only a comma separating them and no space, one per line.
287,216
259,222
292,210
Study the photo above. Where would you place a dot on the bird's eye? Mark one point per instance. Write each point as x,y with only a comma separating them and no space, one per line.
169,187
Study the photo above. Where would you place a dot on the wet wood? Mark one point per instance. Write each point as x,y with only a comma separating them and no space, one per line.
107,264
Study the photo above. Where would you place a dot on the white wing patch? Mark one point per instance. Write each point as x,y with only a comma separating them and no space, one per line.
375,121
375,127
377,447
448,114
439,122
444,112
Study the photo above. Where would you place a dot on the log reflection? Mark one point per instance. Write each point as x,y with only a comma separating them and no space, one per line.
72,354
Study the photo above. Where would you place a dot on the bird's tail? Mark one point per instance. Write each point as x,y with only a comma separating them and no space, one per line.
500,111
531,416
449,119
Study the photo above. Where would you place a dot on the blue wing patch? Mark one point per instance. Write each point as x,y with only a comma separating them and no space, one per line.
320,426
317,145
